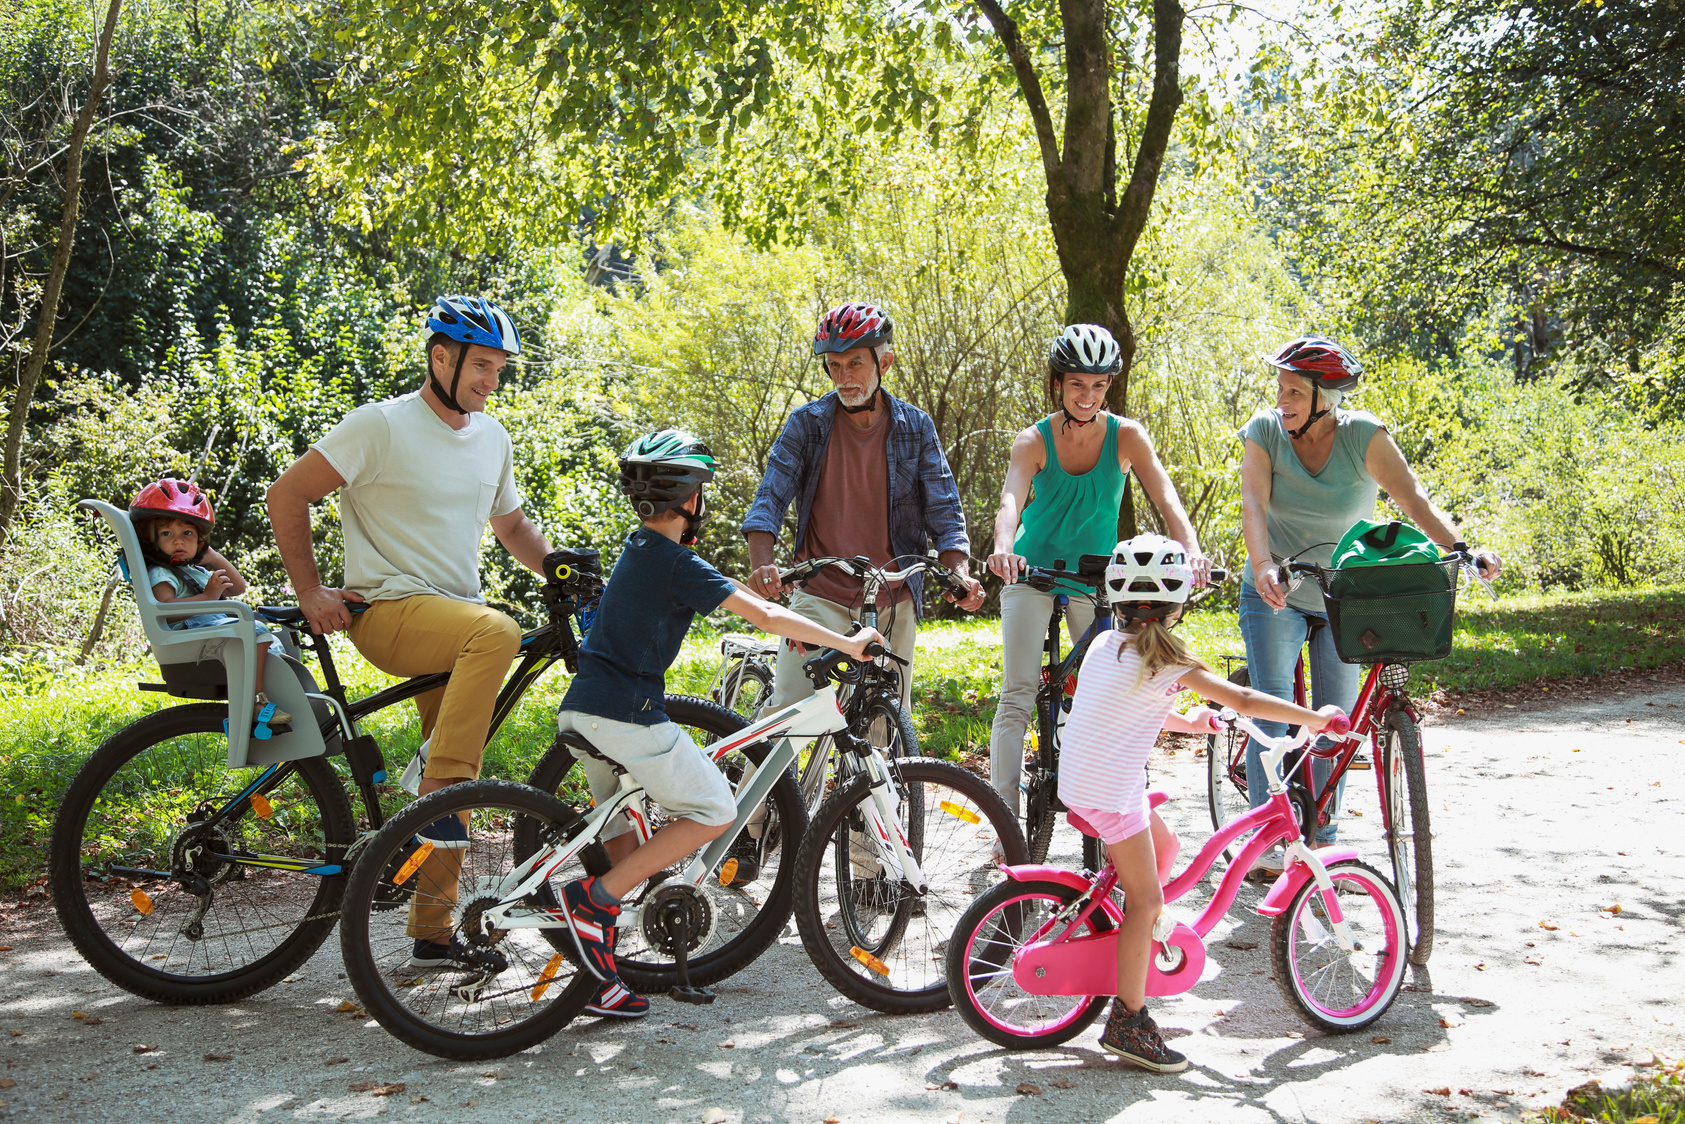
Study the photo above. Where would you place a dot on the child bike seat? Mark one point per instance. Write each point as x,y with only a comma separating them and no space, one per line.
220,661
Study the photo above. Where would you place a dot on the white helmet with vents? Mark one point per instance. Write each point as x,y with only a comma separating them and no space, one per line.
1149,570
1086,349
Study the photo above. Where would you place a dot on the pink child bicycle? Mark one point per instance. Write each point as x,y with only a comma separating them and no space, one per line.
1034,960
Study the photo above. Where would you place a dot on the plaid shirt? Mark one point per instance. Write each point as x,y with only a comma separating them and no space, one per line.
923,500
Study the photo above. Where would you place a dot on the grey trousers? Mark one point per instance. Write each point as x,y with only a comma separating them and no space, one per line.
791,686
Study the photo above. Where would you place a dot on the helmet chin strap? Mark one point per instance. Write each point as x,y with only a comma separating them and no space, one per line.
1316,416
693,523
449,397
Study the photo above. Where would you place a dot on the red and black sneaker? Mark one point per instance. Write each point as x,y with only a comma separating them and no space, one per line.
592,928
1136,1039
614,1000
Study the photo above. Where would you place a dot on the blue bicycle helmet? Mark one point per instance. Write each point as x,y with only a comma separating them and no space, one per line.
469,320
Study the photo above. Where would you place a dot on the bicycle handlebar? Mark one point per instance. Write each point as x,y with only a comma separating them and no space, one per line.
1047,578
862,568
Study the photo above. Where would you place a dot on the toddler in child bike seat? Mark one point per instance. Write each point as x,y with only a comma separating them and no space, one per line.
616,700
173,519
1129,678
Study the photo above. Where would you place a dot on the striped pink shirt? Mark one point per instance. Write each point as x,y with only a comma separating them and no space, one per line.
1113,725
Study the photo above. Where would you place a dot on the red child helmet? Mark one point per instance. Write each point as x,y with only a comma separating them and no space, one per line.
173,499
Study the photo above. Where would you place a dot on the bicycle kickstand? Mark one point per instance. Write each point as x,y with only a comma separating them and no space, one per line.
683,991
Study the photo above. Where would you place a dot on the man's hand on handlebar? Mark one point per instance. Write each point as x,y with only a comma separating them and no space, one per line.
324,607
764,583
973,600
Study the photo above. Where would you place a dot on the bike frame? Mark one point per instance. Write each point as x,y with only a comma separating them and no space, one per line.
1067,964
789,729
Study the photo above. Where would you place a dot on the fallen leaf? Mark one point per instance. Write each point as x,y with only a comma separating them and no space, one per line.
388,1090
7,1083
842,1024
832,1120
1443,1090
346,1007
17,1034
92,1022
1478,1002
493,1073
945,1085
1061,1083
78,1015
1549,925
420,1098
1025,1089
1532,960
1241,946
145,1048
219,1057
1460,710
728,1045
1448,1024
336,1061
954,1119
1380,1039
1480,967
1615,909
716,1115
1465,1092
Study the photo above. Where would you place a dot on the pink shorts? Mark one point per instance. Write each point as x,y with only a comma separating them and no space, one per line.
1111,827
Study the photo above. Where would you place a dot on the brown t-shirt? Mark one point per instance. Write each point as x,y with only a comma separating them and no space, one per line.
850,514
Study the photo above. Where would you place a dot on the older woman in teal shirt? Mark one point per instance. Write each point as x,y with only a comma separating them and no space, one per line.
1310,470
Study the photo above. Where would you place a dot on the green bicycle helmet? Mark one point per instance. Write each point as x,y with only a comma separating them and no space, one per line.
660,471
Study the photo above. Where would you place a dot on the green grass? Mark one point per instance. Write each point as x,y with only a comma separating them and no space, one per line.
1657,1099
50,722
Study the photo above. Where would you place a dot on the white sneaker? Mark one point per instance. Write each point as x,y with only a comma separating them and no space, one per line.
1270,864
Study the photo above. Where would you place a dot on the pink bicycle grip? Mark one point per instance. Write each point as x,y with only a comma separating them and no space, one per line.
1339,724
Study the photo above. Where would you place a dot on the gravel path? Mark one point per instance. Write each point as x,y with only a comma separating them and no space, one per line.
1543,815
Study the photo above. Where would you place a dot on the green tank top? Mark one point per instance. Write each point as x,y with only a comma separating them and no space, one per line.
1069,516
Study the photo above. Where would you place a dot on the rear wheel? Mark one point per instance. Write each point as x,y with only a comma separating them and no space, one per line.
509,988
1409,838
746,686
137,880
1225,773
1338,989
736,922
1040,800
979,967
864,926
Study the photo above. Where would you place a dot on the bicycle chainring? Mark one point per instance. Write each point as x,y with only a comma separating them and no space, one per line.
189,850
700,916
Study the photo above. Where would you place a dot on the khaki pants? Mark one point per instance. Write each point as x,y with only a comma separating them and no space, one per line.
791,686
1024,613
421,635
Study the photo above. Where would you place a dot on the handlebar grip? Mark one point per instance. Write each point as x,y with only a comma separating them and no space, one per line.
1219,576
1337,725
874,649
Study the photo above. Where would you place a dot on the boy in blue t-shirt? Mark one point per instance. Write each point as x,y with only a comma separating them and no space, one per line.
616,700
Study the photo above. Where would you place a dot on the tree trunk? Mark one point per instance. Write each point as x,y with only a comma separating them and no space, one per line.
11,475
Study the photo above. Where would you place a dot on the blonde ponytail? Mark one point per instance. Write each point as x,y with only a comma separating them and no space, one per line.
1158,648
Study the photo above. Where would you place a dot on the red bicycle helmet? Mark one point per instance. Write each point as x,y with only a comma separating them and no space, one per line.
1321,360
173,499
849,326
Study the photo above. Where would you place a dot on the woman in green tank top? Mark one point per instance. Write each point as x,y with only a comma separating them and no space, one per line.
1064,488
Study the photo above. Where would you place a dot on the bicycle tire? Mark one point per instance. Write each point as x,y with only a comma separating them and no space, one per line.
129,795
1225,755
755,922
746,686
433,1009
985,939
1368,978
1039,804
1412,855
880,719
953,840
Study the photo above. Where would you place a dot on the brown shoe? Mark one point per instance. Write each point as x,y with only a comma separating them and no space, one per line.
1135,1039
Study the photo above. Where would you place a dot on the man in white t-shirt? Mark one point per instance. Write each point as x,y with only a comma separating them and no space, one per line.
419,477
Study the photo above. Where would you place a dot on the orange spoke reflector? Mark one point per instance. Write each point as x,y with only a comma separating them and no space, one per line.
413,865
869,960
142,902
262,806
728,872
965,814
546,976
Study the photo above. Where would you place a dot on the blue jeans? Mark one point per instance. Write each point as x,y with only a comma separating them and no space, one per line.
1273,641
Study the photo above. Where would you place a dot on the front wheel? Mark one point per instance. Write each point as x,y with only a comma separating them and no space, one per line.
1409,838
979,967
865,927
504,989
144,860
1338,989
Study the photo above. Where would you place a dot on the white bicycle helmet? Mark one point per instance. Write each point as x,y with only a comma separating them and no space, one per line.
1086,349
1148,575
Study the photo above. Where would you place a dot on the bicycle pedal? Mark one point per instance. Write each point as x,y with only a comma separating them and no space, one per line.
699,996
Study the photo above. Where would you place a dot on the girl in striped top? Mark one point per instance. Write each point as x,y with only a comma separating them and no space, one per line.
1129,679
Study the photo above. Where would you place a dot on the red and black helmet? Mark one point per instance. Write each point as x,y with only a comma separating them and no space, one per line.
1321,360
173,499
849,326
